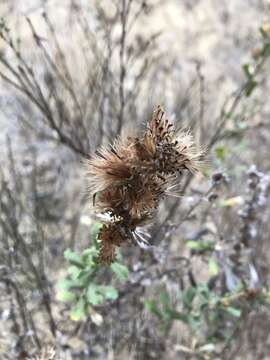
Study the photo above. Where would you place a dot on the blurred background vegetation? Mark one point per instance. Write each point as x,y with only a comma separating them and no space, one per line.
74,75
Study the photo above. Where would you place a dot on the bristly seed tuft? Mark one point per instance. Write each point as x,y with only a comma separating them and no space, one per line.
128,179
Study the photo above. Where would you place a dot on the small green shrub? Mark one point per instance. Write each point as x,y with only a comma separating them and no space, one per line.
81,286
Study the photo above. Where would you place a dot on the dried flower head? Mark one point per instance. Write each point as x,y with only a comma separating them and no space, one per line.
128,180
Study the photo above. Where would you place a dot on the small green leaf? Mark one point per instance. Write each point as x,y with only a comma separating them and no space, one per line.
78,310
120,270
193,245
200,245
236,200
109,292
194,323
74,272
266,49
64,295
220,152
93,296
86,274
188,296
95,228
212,267
176,315
164,298
152,307
248,71
64,284
73,258
89,256
251,85
204,294
233,311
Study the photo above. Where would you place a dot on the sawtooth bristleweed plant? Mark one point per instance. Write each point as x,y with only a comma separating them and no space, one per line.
128,179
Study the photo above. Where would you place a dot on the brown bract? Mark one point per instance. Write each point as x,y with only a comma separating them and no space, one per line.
128,179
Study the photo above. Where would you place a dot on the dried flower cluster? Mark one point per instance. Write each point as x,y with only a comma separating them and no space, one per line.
128,180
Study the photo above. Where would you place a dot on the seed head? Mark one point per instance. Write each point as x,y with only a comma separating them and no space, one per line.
128,179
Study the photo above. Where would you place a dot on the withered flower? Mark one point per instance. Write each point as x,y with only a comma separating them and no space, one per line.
128,179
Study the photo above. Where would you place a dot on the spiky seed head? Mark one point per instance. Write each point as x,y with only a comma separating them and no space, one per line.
129,178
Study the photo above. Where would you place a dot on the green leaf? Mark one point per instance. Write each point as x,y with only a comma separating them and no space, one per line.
64,290
90,252
64,295
188,296
200,245
266,49
152,307
233,201
109,292
194,323
248,71
64,284
73,258
176,315
164,298
86,274
251,85
212,267
220,152
205,296
233,311
78,310
93,295
95,228
89,256
74,272
120,270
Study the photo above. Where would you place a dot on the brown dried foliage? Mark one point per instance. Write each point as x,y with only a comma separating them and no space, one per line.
128,180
